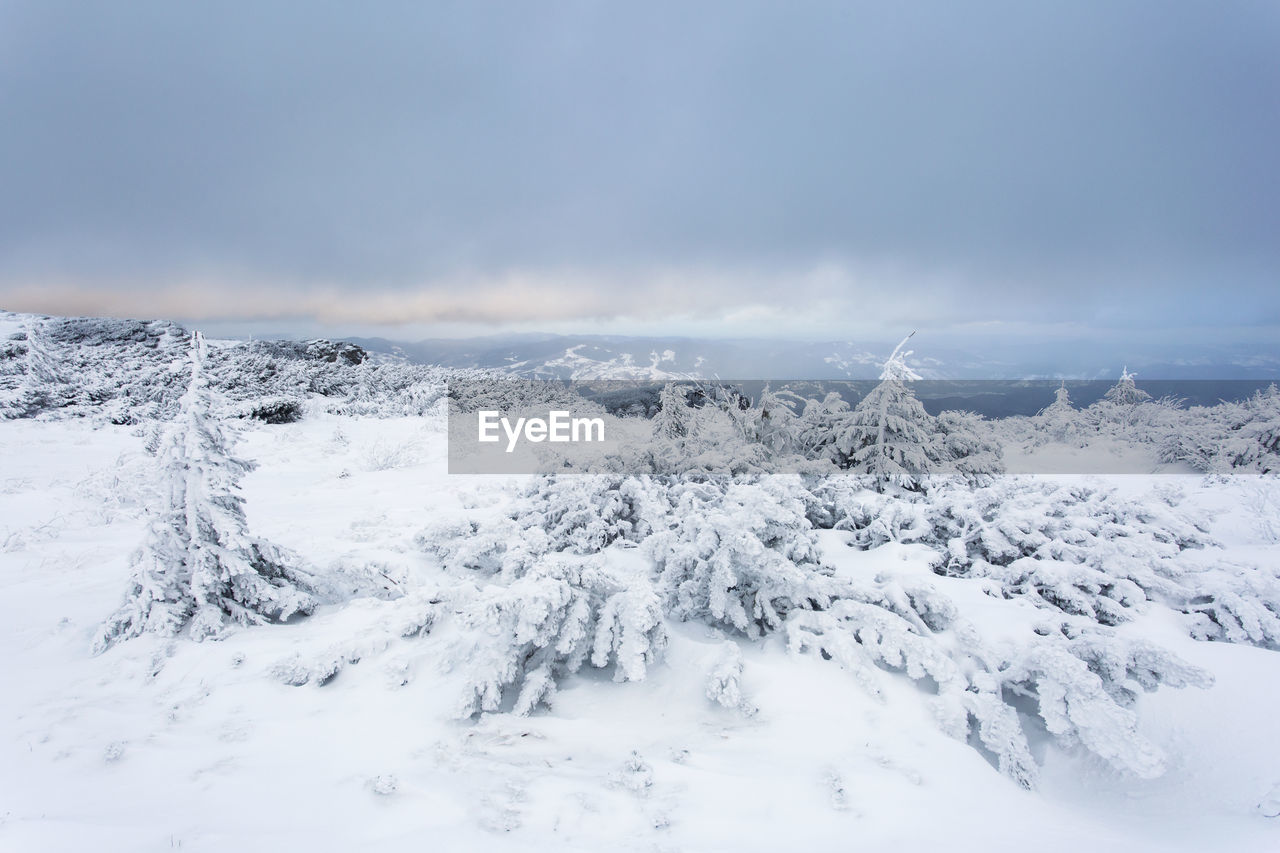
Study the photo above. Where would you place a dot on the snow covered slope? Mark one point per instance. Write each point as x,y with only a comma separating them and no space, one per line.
337,732
759,624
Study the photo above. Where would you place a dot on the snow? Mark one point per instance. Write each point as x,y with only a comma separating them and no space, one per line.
12,323
584,366
679,651
161,743
1103,455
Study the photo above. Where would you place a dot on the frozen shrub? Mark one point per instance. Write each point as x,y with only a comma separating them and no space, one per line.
1082,682
587,513
1083,691
740,557
724,682
1074,548
281,411
574,514
1236,604
968,448
1229,437
557,617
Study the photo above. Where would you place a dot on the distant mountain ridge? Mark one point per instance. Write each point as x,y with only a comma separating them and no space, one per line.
551,356
623,357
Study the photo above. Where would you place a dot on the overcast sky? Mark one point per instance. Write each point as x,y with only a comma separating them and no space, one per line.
803,169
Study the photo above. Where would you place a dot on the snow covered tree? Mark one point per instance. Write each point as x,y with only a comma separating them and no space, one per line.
1061,398
199,567
577,514
818,425
1083,680
1122,409
1084,687
875,518
968,447
673,419
43,385
1262,431
552,600
1072,548
772,420
1205,439
587,513
889,435
867,631
1235,604
1059,421
712,439
1125,392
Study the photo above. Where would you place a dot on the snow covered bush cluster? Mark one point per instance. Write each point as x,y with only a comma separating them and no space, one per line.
561,613
545,602
737,555
1229,437
887,436
737,549
583,573
131,371
1235,603
560,571
1077,548
128,371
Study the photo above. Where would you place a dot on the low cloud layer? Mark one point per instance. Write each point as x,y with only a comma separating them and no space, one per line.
1096,163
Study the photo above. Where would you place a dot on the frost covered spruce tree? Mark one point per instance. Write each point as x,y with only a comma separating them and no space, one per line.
199,567
773,422
816,427
1126,392
1122,408
889,435
43,384
1059,421
673,420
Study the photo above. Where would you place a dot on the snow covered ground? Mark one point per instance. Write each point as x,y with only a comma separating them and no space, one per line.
161,744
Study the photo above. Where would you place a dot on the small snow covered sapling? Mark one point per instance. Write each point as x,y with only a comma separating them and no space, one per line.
672,421
199,567
724,681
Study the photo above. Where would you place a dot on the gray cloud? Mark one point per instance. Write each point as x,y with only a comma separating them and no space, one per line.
1096,162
